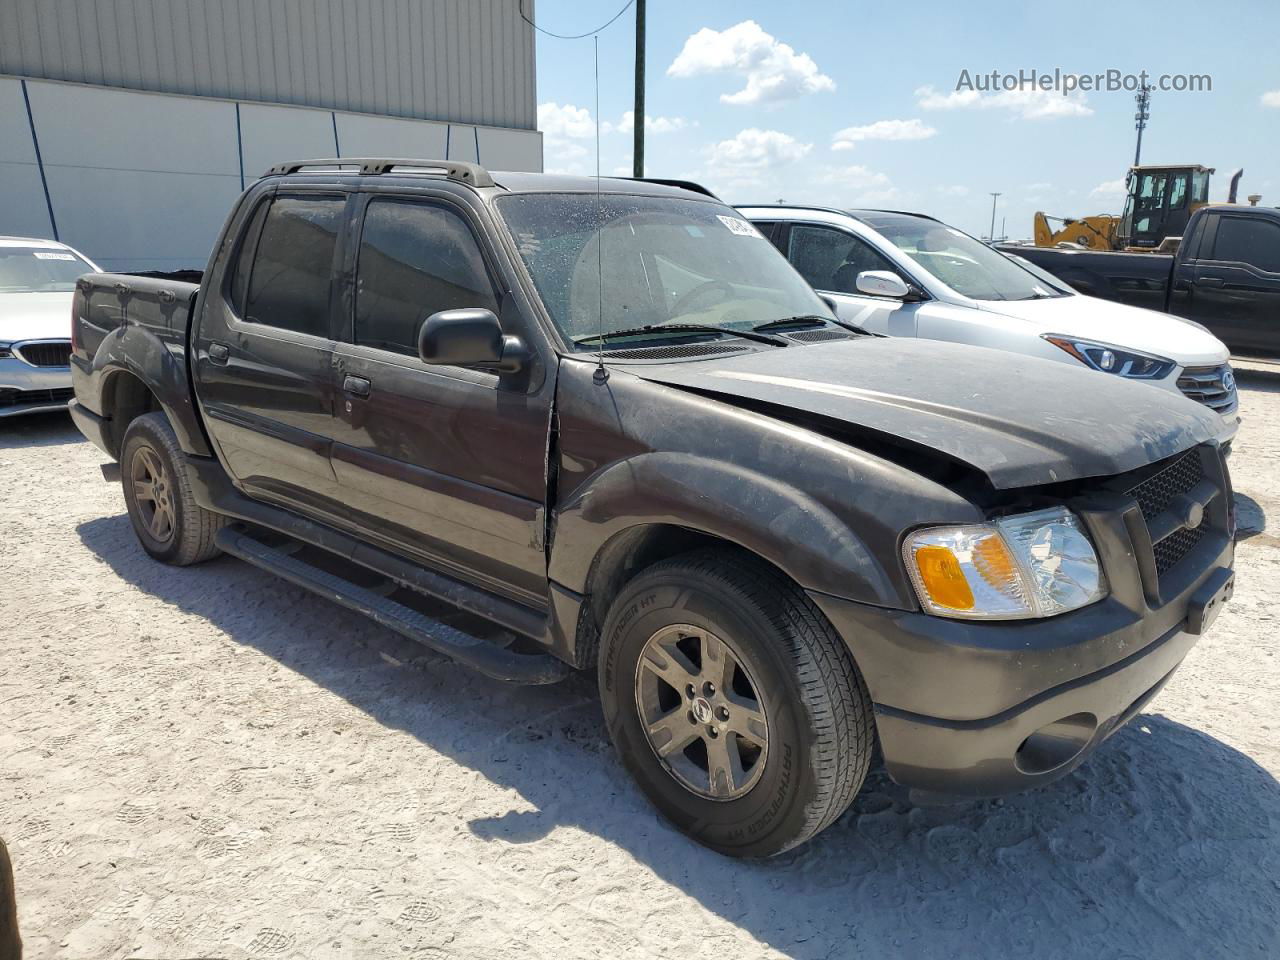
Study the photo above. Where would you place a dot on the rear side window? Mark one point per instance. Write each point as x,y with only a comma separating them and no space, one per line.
415,260
1249,240
293,266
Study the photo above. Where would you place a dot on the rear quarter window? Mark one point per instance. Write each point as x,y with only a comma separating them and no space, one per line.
293,265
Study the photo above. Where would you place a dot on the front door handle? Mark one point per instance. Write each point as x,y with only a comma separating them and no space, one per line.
356,386
1211,282
219,352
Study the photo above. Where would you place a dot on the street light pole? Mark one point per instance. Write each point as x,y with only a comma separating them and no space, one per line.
637,152
992,234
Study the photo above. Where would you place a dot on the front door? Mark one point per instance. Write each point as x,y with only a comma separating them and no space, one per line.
830,259
264,351
441,463
1236,290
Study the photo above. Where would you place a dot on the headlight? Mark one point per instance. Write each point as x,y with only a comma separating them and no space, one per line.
1028,565
1112,359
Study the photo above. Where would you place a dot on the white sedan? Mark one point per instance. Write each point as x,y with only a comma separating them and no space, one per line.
909,275
37,284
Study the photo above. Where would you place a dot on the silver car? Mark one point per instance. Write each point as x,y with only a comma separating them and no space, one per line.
37,282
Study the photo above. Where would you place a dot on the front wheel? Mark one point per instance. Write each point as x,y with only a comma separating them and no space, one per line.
733,703
168,522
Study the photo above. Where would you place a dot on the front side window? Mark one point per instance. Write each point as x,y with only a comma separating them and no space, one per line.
415,260
621,262
1177,191
39,270
1248,240
967,266
831,259
293,266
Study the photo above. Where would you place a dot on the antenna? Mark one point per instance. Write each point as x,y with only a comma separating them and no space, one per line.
601,374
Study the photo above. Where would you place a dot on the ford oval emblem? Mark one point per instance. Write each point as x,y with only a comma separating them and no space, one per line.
1195,516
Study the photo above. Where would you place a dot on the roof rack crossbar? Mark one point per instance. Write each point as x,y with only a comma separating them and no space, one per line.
460,171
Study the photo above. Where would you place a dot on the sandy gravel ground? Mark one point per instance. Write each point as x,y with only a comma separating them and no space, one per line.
210,763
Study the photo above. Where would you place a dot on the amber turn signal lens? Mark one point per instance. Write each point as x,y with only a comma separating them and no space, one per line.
942,578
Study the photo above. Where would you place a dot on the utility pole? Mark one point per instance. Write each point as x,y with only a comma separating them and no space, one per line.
992,234
1143,98
637,150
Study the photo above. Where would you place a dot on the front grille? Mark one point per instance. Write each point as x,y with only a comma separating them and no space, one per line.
45,353
20,398
1170,551
1161,499
1156,493
1213,386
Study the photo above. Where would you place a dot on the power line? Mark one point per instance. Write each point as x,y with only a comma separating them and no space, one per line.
574,36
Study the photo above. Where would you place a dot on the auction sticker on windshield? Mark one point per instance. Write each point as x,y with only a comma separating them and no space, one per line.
43,255
738,226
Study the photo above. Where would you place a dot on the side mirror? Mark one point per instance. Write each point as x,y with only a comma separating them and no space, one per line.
470,337
882,283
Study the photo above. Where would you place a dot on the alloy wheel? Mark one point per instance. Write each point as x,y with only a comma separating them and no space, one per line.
702,712
153,493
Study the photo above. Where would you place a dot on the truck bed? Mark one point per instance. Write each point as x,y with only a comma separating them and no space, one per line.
1138,279
104,302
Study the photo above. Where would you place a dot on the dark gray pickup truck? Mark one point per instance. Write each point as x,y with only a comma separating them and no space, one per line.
1224,275
610,427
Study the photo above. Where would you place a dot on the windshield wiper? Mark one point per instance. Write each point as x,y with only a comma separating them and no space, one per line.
812,319
682,328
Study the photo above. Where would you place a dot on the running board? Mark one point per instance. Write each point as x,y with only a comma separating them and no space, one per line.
481,655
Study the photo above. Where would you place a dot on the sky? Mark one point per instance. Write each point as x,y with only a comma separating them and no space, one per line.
837,104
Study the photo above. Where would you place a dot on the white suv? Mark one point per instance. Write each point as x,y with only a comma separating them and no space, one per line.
909,275
37,283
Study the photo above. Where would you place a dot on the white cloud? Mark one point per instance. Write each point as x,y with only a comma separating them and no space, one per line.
1026,102
556,120
1271,98
754,150
1109,190
954,190
654,125
859,186
913,129
773,71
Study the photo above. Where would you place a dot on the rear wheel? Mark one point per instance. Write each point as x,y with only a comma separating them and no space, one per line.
733,703
168,522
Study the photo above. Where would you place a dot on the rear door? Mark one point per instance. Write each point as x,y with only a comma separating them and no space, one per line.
443,464
830,259
1236,286
264,349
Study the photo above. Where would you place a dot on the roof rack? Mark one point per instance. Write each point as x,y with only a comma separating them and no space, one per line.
460,171
682,184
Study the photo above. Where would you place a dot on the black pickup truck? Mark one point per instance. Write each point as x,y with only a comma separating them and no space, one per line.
610,427
1225,274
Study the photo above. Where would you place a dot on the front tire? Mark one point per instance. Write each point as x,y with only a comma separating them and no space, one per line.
733,703
168,522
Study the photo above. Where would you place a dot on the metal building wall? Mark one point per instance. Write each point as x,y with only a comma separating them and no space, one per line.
467,61
143,181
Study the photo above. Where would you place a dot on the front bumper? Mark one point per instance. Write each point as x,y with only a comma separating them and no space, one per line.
982,708
25,388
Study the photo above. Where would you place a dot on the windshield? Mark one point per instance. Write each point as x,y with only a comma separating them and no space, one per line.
43,270
967,266
663,260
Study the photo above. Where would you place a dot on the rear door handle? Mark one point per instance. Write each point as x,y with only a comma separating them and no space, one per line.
356,386
219,352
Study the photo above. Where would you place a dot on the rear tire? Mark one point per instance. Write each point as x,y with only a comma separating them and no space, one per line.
169,524
792,717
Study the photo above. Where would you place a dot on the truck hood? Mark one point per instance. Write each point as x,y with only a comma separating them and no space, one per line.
1021,421
1148,331
35,316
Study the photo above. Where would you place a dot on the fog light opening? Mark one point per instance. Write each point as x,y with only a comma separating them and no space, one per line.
1055,744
